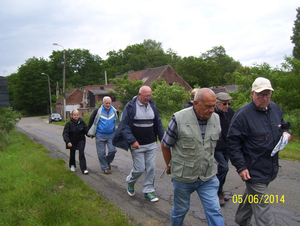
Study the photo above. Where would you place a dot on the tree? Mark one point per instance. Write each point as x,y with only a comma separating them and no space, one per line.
125,89
168,99
31,88
197,71
227,63
296,36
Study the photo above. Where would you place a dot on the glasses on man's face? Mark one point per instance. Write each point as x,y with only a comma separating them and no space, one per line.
147,96
261,95
226,104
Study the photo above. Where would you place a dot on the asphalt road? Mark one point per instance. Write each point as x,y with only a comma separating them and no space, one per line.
113,187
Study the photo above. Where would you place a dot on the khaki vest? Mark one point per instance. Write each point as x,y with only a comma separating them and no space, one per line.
193,157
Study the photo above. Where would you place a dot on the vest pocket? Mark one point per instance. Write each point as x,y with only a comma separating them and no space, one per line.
214,139
182,169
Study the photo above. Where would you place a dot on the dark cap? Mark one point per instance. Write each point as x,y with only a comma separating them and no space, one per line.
222,96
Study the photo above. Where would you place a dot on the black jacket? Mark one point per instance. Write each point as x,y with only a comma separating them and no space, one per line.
189,104
225,119
252,136
75,132
123,135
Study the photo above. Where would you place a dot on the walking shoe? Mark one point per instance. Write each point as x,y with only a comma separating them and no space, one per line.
130,190
151,197
86,172
107,171
72,168
221,199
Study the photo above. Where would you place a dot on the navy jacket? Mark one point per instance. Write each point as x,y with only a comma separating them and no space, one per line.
252,136
123,135
225,119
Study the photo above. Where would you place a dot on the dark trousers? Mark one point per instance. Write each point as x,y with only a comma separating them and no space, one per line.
222,159
82,161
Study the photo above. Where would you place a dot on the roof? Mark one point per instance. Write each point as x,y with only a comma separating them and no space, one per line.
101,91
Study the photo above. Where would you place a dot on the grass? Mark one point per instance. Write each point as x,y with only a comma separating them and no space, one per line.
38,190
291,151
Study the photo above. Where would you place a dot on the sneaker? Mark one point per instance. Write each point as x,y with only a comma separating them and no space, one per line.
86,172
151,197
130,190
72,168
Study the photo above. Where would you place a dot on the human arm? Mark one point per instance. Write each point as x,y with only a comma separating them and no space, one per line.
167,157
66,134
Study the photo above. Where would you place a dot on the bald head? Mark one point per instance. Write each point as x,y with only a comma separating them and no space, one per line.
203,93
204,103
145,94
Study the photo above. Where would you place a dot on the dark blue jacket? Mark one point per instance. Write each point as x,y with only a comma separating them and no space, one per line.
252,136
123,135
225,119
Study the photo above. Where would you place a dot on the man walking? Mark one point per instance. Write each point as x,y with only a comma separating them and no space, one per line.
102,124
255,130
225,113
193,134
138,130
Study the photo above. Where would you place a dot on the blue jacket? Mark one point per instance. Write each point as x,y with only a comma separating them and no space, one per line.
123,135
252,136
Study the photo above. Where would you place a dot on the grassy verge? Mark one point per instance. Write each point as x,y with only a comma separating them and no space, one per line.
38,190
291,151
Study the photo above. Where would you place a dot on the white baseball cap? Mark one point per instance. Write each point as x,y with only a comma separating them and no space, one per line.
260,84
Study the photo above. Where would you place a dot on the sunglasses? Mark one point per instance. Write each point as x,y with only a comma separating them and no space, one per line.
226,104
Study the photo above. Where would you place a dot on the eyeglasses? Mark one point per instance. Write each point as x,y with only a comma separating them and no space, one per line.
147,96
261,95
226,104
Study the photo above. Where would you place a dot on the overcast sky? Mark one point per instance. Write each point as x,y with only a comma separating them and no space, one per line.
250,31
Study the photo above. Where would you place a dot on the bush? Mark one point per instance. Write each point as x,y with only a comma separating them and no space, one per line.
293,118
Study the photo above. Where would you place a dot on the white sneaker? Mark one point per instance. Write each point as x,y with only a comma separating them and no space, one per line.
85,172
72,168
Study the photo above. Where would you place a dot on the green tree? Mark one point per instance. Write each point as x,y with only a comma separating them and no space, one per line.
197,71
227,63
168,99
30,89
125,89
296,36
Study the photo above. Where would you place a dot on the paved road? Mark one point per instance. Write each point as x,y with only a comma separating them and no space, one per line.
113,187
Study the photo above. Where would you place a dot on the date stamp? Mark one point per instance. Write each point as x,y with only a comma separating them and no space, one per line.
258,199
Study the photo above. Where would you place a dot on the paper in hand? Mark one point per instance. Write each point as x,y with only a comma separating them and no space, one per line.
281,144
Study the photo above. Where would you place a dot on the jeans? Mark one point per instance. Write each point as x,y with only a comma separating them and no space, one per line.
207,191
101,142
222,159
143,161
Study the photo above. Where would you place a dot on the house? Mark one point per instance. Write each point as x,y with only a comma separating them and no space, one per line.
226,89
91,95
149,75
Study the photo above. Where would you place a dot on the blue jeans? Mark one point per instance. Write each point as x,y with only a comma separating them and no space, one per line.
101,142
222,159
207,191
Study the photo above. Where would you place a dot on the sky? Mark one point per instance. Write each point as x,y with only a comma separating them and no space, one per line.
251,32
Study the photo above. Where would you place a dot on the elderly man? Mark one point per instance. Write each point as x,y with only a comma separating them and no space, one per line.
193,134
138,130
255,130
225,113
102,124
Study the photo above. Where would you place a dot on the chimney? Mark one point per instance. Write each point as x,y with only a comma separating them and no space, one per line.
101,87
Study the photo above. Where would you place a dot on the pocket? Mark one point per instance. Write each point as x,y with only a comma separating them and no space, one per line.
214,139
189,145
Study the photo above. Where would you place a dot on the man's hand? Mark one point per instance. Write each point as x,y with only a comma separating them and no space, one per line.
91,137
69,144
245,175
136,145
286,133
168,170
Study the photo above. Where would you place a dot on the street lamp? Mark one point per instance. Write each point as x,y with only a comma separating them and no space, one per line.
64,82
49,92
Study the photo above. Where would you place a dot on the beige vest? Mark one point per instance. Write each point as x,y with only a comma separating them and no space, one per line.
192,156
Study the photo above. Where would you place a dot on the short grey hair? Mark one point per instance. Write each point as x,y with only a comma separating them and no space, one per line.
106,97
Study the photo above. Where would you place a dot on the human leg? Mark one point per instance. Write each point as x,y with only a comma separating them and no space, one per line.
138,168
261,210
111,150
207,191
82,160
223,168
72,158
182,192
150,157
244,211
101,151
